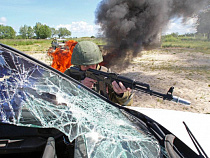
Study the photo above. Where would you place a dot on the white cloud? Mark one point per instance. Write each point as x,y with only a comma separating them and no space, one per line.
3,20
80,29
177,26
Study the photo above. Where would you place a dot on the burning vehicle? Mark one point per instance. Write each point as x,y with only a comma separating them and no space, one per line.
61,57
46,113
58,43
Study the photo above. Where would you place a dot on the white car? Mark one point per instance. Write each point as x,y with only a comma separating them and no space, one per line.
197,123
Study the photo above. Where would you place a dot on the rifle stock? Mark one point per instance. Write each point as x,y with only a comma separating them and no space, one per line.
127,82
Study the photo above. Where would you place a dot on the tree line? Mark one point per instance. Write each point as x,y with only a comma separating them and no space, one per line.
39,31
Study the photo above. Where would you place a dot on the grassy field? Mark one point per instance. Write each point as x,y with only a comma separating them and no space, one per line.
33,45
28,44
40,45
196,44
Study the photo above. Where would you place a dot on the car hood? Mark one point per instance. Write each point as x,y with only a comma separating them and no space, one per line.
199,125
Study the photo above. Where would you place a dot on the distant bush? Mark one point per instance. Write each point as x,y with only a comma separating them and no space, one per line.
170,38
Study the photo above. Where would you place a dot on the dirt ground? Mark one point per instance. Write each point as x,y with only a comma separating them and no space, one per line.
188,71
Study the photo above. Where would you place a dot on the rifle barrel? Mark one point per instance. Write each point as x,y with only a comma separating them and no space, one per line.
180,100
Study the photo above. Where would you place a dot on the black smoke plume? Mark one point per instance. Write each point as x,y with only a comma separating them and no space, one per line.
130,25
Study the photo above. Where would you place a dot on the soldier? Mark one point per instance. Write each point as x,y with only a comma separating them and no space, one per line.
87,55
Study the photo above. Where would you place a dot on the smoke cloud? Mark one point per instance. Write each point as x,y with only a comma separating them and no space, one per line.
130,25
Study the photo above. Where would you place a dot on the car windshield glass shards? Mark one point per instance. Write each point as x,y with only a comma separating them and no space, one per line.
35,95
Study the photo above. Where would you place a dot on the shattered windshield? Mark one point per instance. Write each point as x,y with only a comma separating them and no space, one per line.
34,95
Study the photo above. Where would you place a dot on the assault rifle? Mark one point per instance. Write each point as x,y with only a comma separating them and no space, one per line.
127,82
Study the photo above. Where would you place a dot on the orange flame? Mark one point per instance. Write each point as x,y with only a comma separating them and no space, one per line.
62,57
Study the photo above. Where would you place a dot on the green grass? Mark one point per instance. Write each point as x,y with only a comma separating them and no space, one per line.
34,45
196,44
28,44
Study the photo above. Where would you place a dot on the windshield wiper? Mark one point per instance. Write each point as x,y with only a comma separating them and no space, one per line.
200,150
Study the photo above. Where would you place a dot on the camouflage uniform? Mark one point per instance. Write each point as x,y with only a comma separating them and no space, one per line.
100,87
88,53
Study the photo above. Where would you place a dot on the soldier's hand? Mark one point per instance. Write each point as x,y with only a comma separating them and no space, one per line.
88,82
119,88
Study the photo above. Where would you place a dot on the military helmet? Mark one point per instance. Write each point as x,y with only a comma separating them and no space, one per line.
86,53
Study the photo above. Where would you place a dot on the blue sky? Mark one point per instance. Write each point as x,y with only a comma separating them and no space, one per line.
78,16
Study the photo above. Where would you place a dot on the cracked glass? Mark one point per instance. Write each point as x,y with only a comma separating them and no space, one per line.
34,95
